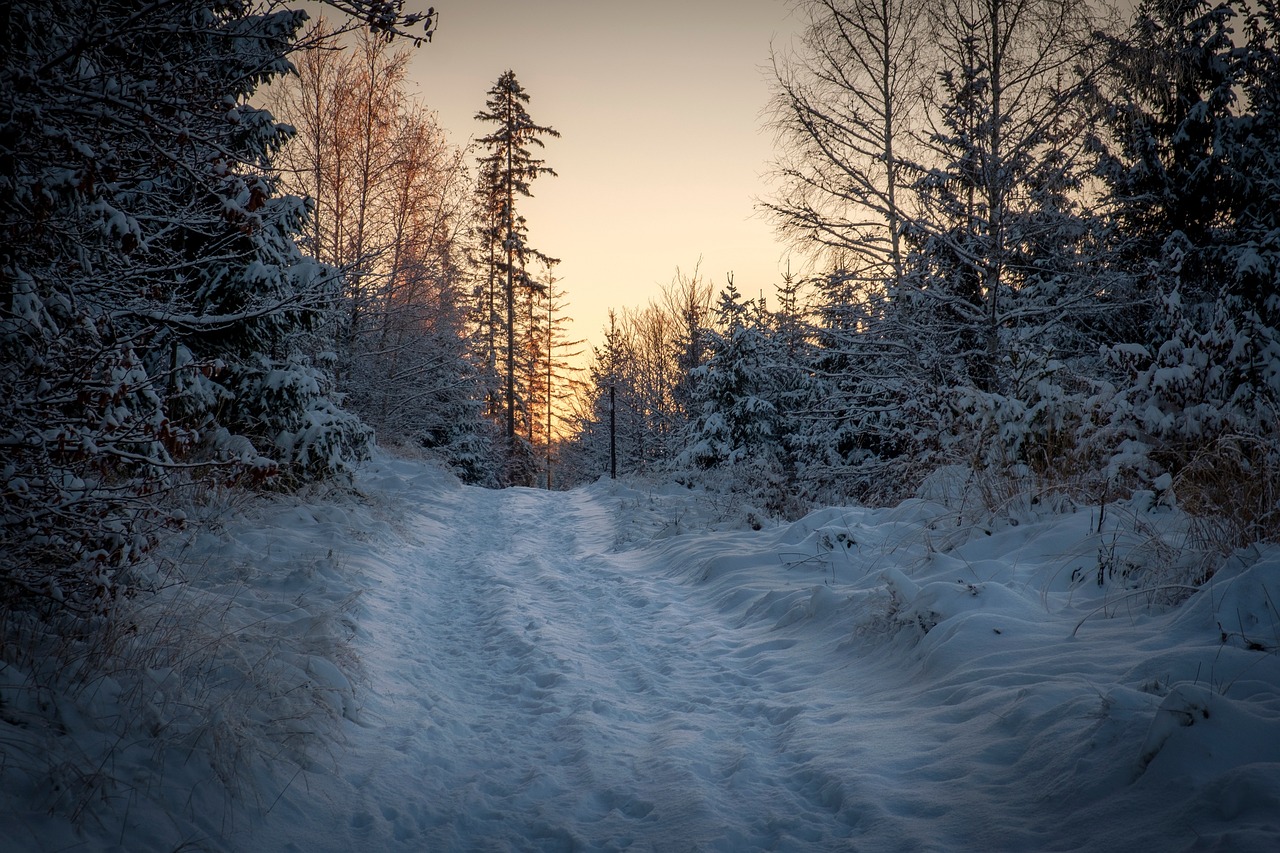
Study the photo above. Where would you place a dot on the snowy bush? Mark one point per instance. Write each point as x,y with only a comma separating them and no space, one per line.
1203,408
293,407
210,688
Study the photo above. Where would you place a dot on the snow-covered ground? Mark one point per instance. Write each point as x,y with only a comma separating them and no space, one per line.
621,667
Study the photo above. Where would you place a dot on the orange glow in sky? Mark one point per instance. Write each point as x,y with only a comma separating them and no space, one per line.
663,149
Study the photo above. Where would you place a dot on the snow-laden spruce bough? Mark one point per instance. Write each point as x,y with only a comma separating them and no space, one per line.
423,666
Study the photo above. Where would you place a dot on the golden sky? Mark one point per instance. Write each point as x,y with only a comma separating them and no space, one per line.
661,106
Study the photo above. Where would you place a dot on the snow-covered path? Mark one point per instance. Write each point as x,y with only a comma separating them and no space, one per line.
858,680
626,668
545,693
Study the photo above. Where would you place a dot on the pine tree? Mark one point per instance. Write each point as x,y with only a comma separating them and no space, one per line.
793,390
1171,110
737,420
1257,254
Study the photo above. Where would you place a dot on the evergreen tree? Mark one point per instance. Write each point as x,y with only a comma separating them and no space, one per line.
792,390
155,313
1194,186
1168,164
737,421
507,172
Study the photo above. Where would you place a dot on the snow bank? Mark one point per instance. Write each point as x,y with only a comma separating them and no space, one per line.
1046,692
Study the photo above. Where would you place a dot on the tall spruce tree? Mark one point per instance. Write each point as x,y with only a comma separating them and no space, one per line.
507,172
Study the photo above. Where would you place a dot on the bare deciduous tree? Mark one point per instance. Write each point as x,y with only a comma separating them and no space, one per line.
391,198
845,105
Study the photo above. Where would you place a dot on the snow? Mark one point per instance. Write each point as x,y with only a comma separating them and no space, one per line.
626,667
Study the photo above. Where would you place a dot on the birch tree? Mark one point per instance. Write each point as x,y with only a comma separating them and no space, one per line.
845,105
392,202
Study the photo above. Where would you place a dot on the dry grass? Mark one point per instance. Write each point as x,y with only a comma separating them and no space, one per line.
1232,488
196,679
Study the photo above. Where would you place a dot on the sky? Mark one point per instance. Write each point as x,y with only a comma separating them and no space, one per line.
663,153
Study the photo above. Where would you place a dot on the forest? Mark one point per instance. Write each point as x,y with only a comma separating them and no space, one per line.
1043,249
1035,241
1038,242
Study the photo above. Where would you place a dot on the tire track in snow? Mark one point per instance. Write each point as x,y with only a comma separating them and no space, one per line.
532,691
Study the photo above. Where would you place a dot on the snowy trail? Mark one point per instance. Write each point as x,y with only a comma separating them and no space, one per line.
643,668
532,685
560,700
543,693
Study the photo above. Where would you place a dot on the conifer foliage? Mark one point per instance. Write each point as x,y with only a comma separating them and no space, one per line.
738,420
156,315
1194,182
